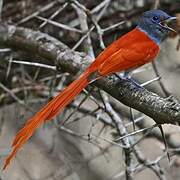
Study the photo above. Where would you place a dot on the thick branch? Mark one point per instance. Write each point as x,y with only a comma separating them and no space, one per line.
160,109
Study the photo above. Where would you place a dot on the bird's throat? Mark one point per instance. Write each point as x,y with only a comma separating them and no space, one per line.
152,35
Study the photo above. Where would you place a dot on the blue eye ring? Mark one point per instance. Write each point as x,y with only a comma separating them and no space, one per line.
155,18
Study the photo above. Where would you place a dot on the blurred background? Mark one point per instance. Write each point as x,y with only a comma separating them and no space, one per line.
87,145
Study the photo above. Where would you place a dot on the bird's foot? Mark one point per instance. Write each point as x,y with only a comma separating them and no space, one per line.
128,78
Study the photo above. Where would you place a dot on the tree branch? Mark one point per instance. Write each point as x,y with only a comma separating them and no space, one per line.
162,110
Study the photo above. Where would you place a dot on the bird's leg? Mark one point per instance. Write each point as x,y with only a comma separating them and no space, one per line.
127,76
128,73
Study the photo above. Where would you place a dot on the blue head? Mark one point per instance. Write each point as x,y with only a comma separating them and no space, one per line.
154,23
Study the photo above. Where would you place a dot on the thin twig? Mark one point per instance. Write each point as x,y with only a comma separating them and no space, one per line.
35,64
36,13
11,94
54,15
60,25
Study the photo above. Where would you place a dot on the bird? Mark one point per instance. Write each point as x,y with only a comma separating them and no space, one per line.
135,48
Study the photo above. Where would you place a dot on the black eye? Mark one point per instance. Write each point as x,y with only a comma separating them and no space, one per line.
155,18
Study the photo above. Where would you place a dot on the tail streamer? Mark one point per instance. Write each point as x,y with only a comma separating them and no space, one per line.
55,106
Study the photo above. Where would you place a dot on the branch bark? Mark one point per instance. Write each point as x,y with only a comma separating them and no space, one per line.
162,110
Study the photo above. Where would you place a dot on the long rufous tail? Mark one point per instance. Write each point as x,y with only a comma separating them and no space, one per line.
48,112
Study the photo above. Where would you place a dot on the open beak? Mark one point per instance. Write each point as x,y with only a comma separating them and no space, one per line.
166,22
